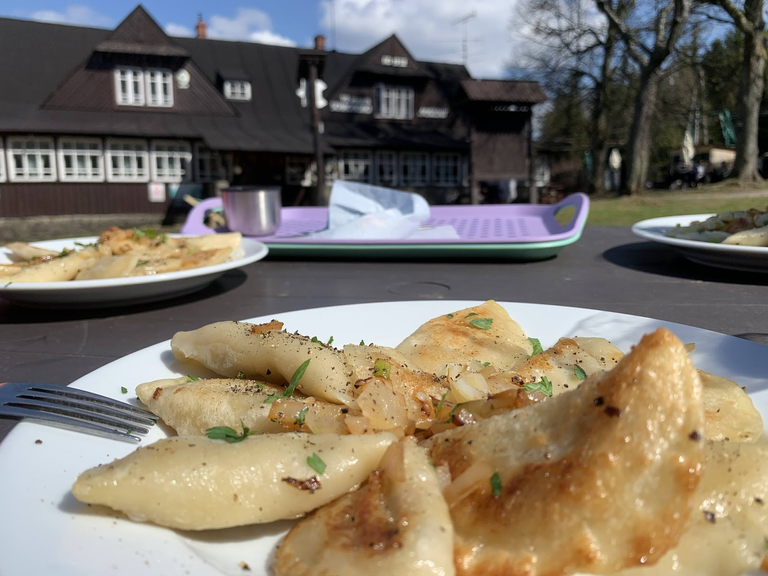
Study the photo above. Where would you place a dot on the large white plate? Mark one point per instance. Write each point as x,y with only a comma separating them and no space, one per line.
43,530
746,258
121,291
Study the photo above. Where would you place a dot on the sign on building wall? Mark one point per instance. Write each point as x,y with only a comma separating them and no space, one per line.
352,104
394,61
432,112
156,192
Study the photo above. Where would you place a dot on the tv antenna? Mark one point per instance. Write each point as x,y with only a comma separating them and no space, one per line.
464,21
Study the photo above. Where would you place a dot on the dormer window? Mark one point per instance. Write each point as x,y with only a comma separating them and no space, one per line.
394,102
237,90
143,87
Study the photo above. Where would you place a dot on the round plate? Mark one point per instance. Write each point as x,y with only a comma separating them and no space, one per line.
746,258
40,513
121,291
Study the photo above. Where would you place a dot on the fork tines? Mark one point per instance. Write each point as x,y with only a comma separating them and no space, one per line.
74,409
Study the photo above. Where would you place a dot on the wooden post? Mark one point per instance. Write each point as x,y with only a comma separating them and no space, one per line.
317,138
533,192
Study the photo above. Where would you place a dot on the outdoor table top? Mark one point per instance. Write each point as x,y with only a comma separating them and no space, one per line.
607,269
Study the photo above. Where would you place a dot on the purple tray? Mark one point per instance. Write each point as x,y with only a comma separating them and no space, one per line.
488,224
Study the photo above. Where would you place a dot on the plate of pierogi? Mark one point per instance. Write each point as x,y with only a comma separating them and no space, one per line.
409,438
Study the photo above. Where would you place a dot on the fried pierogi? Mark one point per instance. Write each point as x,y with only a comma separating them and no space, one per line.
485,333
595,480
196,483
396,524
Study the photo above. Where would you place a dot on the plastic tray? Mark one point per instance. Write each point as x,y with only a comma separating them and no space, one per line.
507,231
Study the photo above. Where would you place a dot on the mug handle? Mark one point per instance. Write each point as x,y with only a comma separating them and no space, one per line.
195,222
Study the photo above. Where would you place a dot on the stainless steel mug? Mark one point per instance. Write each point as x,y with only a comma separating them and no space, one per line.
252,210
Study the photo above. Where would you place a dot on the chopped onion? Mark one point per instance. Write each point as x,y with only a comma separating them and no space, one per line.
358,424
382,406
393,462
462,389
325,422
690,347
478,474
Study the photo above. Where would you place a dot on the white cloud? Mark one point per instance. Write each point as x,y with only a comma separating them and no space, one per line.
429,30
248,24
74,14
267,37
178,30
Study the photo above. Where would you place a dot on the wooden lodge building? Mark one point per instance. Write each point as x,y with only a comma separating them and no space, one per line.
121,121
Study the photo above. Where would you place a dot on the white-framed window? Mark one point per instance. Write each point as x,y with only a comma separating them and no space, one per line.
386,168
127,161
210,165
414,168
80,160
170,161
355,165
237,90
129,86
394,102
2,162
446,169
159,87
31,159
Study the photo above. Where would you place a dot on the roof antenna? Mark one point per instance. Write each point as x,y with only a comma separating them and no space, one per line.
465,20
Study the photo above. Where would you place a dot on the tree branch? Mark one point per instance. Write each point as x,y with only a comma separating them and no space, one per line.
639,52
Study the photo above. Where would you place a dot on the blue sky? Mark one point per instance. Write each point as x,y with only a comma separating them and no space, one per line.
428,28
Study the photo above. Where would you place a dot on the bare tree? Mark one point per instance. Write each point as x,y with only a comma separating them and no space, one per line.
650,46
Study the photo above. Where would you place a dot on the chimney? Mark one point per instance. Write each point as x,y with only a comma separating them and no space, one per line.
319,42
201,28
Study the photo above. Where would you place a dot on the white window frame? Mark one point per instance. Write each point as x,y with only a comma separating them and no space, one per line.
442,165
134,82
138,150
170,152
159,78
355,162
394,102
387,160
2,162
239,90
81,147
412,162
30,149
217,164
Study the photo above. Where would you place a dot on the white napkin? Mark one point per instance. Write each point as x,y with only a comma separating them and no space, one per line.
363,212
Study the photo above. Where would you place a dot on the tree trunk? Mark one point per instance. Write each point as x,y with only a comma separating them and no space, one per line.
639,145
750,97
599,143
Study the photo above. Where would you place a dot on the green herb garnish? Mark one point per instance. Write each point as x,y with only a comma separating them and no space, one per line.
482,323
537,349
381,368
240,375
362,342
299,420
496,484
316,339
544,386
192,378
63,253
123,389
142,263
316,463
471,314
9,283
149,233
485,364
579,372
449,316
439,405
292,385
228,434
451,413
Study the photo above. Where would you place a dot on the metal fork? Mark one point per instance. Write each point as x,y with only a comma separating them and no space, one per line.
74,409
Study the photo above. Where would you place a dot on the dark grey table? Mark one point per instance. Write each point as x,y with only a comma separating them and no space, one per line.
608,269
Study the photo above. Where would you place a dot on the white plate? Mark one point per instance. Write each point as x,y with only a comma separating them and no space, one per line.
43,530
746,258
120,291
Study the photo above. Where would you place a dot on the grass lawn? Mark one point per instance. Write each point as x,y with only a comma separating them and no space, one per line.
626,210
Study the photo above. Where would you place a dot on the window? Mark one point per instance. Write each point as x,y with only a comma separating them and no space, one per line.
129,86
210,165
394,102
31,160
355,165
159,87
414,168
170,161
386,168
2,162
127,161
446,169
237,89
80,160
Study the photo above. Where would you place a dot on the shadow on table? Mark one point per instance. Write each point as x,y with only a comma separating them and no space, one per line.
654,259
16,314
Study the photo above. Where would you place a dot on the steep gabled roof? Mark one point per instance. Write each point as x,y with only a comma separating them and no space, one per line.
138,33
513,91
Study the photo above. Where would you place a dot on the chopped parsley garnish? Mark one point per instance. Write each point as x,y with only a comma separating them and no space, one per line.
316,339
148,233
316,463
299,419
439,405
544,386
496,484
192,378
451,413
164,238
482,323
240,375
9,283
228,434
579,372
192,250
381,368
362,342
449,316
485,364
86,245
123,389
63,253
288,392
537,349
471,314
142,263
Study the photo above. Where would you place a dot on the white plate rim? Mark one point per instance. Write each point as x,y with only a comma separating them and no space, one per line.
199,563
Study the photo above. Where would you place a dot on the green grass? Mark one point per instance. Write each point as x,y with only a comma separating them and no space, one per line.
625,211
